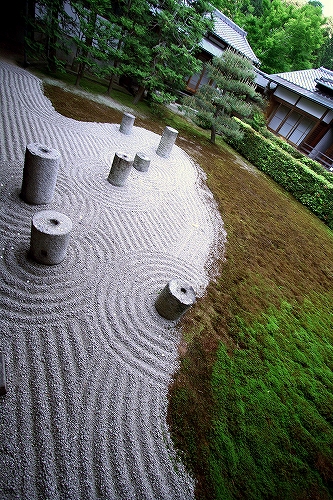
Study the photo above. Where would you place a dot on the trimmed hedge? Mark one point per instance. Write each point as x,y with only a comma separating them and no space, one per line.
305,179
309,162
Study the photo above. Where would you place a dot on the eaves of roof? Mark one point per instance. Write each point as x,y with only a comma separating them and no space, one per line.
210,47
304,83
233,35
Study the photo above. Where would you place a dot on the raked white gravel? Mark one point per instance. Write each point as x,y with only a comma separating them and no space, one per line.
88,358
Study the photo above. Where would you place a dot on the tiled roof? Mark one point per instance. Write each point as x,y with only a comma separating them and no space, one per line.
305,82
233,35
307,78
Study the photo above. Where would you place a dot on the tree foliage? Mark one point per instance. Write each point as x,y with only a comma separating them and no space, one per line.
284,35
132,19
232,94
325,56
47,30
160,40
94,36
182,43
153,42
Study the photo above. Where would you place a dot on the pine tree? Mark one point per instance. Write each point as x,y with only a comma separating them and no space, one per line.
96,39
153,42
48,25
163,53
231,94
133,21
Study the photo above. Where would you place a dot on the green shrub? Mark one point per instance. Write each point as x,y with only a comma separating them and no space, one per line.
306,180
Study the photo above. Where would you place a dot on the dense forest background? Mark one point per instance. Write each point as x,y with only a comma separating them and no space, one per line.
155,43
149,42
285,35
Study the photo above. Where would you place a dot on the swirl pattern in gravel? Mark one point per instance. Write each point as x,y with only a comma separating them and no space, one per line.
88,358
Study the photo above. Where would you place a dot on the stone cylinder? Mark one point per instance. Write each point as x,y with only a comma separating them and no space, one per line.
50,232
141,162
168,139
40,172
120,169
127,123
175,299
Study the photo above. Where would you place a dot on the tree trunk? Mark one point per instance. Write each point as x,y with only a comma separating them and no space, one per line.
88,43
52,55
52,39
218,111
28,30
115,65
139,94
212,134
79,74
110,86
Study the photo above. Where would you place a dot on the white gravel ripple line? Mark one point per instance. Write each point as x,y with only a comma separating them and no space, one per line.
88,358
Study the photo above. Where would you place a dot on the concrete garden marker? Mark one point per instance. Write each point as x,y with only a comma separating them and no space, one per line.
120,169
141,162
127,124
50,232
175,299
167,141
40,172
